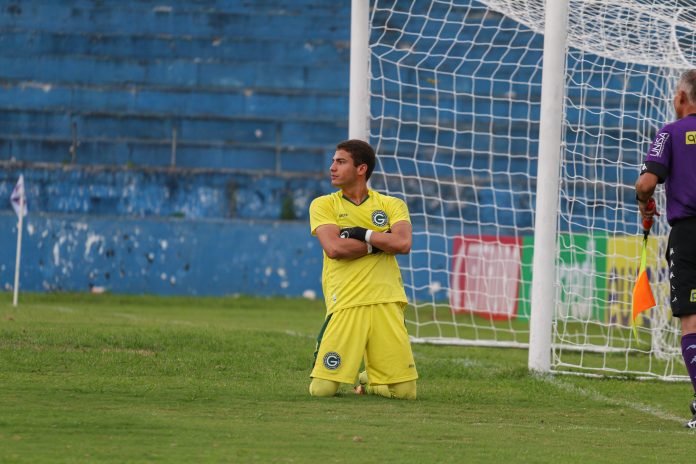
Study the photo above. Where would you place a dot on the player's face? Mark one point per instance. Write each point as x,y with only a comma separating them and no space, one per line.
343,171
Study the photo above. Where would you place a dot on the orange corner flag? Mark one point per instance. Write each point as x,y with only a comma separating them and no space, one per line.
643,298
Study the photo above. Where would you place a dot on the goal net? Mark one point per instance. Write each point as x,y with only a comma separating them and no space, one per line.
455,90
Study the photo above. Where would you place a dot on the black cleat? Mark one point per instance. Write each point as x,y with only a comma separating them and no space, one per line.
692,423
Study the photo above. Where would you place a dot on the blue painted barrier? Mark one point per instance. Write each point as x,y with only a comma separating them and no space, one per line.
65,252
161,256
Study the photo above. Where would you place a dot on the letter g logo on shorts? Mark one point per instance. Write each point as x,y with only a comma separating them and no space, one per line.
332,360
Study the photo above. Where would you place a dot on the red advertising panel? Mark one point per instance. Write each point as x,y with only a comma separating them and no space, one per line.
486,275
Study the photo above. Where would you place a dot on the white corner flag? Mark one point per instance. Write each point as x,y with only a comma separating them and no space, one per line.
18,197
19,204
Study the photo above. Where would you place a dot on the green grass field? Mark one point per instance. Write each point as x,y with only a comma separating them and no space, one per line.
105,378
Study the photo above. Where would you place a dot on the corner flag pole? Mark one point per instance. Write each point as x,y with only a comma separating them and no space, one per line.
18,200
19,251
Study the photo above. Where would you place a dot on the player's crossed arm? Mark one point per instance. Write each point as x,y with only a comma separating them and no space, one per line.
397,241
350,243
336,247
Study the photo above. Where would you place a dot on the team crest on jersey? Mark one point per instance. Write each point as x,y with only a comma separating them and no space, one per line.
332,360
379,218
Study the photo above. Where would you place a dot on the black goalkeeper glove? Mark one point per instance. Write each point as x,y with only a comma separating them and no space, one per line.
358,233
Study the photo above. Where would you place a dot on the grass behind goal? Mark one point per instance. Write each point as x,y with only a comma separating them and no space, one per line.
141,379
588,349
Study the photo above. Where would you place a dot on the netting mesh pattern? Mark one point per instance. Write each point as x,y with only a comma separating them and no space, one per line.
455,104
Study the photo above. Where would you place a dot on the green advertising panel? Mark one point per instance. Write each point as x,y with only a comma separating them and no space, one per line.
581,268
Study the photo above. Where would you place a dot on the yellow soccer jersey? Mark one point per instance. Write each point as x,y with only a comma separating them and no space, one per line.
371,279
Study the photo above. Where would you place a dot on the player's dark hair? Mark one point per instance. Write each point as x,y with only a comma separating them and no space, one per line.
361,152
688,83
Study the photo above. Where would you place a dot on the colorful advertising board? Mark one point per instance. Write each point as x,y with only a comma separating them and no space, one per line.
622,268
492,276
581,269
486,275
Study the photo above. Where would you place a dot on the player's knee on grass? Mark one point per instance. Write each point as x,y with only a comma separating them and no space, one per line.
402,390
323,388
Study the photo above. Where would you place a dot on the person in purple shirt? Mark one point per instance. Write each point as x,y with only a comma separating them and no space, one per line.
672,160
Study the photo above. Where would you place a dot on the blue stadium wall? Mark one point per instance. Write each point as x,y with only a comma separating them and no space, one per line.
169,147
166,256
161,256
135,231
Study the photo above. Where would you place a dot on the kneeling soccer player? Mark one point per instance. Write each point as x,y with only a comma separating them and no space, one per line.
360,232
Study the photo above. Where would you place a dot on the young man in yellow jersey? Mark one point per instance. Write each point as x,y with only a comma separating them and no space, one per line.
361,231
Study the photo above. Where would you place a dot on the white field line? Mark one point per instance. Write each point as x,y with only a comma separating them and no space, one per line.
61,309
584,392
596,396
299,334
131,317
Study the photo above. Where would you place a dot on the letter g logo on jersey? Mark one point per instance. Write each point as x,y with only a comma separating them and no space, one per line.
332,360
379,218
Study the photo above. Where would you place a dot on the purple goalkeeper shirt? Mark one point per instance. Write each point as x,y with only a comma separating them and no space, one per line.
672,158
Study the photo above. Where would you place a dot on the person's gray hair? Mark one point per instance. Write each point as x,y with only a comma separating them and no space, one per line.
687,83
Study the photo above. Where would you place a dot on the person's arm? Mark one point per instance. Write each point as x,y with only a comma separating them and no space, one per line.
645,187
337,248
397,242
653,171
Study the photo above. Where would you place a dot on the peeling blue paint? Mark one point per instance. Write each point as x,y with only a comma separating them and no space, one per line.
161,256
172,256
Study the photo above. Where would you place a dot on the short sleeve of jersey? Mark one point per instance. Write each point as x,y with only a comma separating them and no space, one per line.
398,211
658,159
321,212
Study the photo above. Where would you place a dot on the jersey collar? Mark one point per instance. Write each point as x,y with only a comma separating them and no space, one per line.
351,201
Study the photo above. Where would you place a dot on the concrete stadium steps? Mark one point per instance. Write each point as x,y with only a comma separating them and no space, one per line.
293,145
156,19
307,51
184,74
109,191
248,85
275,7
142,153
294,133
48,96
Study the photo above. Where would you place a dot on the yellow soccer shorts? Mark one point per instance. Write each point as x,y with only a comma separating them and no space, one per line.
375,332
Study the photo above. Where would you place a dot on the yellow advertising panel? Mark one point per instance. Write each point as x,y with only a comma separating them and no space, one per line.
623,261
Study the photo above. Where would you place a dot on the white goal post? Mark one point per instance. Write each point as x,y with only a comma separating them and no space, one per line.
514,130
